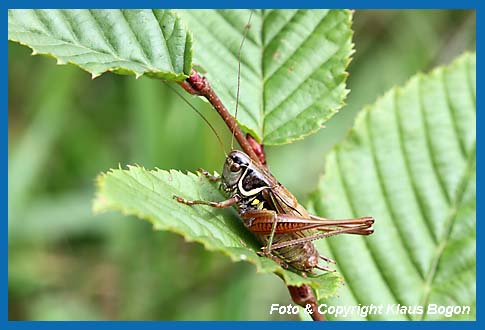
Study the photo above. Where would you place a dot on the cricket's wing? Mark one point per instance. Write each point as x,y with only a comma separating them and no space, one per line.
262,222
282,201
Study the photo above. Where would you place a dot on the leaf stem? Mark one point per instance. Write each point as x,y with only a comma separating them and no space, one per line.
199,85
303,295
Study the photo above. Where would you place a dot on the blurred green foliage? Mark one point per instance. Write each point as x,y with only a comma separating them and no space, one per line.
67,264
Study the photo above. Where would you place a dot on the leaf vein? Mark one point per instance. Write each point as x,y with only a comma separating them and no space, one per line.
107,40
377,265
268,43
165,39
385,194
471,85
428,144
233,52
452,112
409,173
146,57
301,45
343,271
448,229
237,28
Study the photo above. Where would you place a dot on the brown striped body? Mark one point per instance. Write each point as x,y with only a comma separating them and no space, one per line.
274,197
285,229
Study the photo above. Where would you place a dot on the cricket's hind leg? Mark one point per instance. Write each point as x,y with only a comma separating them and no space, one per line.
324,268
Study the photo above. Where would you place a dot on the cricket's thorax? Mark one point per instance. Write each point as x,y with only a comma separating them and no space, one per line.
251,188
252,182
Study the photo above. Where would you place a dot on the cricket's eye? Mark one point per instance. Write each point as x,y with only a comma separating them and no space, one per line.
235,167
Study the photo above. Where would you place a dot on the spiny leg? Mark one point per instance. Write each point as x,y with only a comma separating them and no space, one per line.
271,236
262,222
231,201
220,205
317,236
261,219
326,269
327,259
208,175
271,218
266,250
273,257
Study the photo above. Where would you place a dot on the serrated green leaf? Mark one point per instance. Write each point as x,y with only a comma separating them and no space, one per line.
139,42
149,195
410,162
292,66
292,63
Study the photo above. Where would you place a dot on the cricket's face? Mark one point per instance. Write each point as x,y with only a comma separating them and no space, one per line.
234,167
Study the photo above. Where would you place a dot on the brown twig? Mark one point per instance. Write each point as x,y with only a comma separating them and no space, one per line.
303,296
199,85
257,148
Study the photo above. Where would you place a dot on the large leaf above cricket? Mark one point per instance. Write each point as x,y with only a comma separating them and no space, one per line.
149,195
292,63
410,162
139,42
292,66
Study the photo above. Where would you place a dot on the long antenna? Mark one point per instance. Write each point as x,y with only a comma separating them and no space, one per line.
246,29
201,116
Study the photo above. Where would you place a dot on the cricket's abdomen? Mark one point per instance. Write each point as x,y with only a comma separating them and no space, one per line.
303,257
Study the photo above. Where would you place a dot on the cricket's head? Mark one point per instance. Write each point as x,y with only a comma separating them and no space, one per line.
234,167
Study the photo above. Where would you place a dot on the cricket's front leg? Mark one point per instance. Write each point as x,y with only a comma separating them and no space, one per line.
208,175
265,253
220,205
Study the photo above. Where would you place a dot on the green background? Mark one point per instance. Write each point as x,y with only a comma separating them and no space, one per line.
64,129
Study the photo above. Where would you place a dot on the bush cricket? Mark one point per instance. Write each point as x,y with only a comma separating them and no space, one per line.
274,215
269,211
